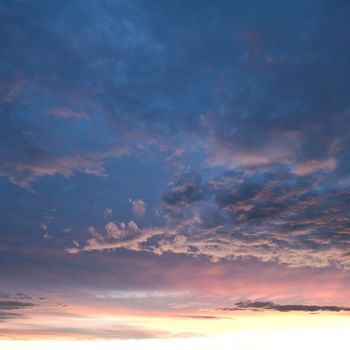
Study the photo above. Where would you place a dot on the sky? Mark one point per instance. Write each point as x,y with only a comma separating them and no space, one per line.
174,174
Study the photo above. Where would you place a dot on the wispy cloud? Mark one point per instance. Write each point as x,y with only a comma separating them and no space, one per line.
67,113
80,333
23,172
267,305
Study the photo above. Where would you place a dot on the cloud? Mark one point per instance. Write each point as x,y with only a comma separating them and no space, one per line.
138,207
312,166
14,305
272,216
66,113
10,302
18,296
200,317
108,212
186,189
23,172
259,116
78,333
4,316
280,149
118,235
253,118
89,328
267,305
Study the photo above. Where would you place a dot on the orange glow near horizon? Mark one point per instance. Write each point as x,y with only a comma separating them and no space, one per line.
250,331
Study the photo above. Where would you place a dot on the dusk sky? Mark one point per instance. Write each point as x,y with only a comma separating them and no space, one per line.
174,174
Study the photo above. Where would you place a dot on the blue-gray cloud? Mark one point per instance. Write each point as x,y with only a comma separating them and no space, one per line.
14,302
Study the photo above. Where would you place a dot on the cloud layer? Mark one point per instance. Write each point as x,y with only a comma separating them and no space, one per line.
271,215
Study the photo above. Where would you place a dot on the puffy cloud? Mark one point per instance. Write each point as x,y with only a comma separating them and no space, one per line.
178,245
270,216
118,235
138,207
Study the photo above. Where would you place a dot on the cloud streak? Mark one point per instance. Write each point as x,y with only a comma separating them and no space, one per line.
24,172
270,306
14,302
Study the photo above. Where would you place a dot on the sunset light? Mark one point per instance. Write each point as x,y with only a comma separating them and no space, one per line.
174,174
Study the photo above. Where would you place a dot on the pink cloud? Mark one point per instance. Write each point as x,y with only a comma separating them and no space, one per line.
312,166
280,149
138,207
23,173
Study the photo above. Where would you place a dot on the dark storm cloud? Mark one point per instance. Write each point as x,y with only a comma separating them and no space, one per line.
267,305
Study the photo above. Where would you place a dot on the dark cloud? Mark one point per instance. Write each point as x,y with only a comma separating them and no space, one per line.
11,302
187,188
18,296
267,305
14,305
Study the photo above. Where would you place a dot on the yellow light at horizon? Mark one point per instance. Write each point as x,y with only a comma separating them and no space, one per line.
261,332
320,339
